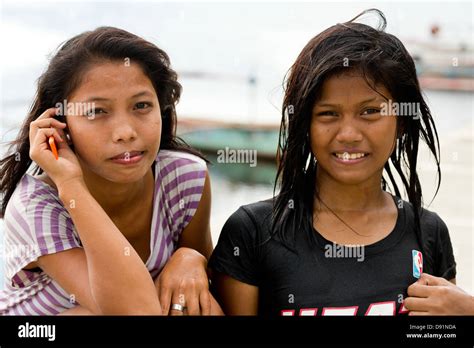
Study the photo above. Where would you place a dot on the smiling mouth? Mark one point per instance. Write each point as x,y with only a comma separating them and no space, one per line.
346,156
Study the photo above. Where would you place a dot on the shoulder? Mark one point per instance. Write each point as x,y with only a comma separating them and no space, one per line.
259,212
32,194
436,241
431,221
437,245
252,221
432,225
435,232
180,171
180,180
244,234
36,224
168,161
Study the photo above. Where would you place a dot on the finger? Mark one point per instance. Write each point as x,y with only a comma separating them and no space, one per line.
43,134
48,113
177,298
416,304
428,279
63,144
205,302
419,290
215,307
192,301
34,132
40,142
48,123
165,299
45,116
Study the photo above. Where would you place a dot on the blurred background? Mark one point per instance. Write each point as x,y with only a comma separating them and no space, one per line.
231,58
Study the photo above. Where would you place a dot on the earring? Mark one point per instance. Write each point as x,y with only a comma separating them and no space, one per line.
310,159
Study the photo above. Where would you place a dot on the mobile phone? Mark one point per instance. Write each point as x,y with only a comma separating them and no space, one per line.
60,118
53,147
51,141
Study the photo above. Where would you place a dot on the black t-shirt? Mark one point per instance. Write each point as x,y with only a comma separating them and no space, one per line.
322,278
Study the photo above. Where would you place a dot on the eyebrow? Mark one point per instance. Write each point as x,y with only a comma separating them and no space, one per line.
325,104
139,94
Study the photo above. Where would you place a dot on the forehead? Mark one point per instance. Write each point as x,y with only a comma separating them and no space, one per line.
350,86
112,78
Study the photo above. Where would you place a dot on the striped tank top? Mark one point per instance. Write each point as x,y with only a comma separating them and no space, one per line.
37,223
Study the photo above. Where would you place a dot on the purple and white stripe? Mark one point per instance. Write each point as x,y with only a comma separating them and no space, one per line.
37,223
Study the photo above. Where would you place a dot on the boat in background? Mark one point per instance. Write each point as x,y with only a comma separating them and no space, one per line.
213,137
209,136
443,66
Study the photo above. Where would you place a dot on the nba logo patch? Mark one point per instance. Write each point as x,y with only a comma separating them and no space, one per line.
417,263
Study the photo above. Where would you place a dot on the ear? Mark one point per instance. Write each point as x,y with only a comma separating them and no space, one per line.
68,137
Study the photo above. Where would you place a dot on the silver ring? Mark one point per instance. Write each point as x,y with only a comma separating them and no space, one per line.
177,307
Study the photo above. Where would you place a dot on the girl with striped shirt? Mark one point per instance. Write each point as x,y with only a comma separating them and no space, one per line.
118,223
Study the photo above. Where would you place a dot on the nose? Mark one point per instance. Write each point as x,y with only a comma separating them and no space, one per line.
123,129
348,132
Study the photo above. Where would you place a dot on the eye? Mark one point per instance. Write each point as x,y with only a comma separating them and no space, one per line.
143,105
370,111
94,112
327,113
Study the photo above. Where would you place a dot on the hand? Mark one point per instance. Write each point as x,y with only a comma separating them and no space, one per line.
67,166
184,281
436,296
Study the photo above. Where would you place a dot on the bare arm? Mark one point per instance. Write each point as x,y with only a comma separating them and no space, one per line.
69,269
235,297
119,282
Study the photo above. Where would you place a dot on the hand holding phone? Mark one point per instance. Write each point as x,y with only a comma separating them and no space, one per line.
52,145
48,142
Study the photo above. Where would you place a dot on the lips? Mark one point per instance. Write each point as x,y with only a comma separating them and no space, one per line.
350,156
127,155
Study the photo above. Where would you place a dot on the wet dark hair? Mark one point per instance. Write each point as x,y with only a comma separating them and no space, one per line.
383,61
63,76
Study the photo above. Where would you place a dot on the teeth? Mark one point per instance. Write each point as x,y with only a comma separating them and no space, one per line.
346,156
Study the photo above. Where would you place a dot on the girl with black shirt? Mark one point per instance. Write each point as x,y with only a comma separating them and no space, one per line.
334,240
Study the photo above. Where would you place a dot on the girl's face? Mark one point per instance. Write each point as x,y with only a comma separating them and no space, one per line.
119,136
350,138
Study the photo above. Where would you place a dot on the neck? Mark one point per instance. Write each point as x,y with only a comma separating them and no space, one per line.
342,197
115,198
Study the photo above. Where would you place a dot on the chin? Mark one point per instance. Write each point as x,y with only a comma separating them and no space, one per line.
125,176
348,176
350,179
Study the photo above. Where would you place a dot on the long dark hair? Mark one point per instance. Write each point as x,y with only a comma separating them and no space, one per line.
63,75
382,59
